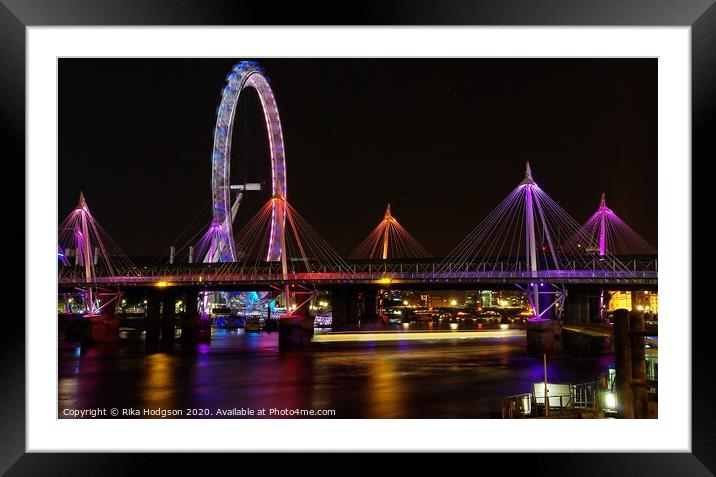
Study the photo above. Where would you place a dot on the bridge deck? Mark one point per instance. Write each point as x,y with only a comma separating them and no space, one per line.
562,277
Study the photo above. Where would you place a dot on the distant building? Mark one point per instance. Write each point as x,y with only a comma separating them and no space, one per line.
488,298
472,299
619,300
511,298
437,301
641,300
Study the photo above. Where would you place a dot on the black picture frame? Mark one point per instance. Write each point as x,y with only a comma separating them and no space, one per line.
700,15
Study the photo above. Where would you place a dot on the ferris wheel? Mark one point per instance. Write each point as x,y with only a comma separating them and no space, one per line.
226,197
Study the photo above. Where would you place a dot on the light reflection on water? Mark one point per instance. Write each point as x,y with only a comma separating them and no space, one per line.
461,378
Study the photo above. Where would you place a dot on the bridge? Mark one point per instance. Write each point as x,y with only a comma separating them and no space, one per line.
403,273
528,241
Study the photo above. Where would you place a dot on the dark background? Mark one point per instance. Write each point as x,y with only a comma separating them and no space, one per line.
444,140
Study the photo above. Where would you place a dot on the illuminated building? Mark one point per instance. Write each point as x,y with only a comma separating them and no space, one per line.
641,300
488,298
472,299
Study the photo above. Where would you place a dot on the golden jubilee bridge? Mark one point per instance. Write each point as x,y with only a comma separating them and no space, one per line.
628,272
528,241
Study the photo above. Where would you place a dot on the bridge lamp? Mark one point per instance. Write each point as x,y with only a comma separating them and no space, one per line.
161,284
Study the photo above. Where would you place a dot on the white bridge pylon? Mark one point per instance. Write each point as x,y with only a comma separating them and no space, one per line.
534,207
525,234
80,236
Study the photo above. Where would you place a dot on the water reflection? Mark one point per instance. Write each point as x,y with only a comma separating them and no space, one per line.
157,389
385,396
447,378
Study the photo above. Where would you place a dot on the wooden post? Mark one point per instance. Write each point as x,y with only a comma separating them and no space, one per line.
622,355
638,364
546,397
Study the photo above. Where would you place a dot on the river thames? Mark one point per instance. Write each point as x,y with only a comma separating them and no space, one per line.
242,375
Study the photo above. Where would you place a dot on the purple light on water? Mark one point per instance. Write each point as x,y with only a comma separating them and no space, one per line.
203,348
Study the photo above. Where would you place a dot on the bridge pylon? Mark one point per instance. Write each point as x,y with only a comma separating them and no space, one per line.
83,244
389,240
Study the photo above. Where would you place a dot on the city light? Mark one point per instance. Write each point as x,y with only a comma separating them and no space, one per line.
403,297
610,401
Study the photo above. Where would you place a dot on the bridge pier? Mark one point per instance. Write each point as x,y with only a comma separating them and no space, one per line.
168,322
544,336
102,329
581,307
370,305
344,303
153,319
295,331
195,327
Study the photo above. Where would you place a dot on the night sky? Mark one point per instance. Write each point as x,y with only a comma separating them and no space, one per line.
443,140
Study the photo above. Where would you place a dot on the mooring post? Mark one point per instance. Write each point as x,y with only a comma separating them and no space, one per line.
622,355
546,392
638,364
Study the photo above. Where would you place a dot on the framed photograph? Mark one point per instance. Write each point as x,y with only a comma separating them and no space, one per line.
414,229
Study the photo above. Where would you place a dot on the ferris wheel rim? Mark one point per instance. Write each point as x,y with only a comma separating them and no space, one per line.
245,75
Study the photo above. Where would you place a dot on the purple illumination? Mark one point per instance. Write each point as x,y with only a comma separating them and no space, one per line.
604,232
246,74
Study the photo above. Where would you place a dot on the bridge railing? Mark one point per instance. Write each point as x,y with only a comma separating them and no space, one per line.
640,268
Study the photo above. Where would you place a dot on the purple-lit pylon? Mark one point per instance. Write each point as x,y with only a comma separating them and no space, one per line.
606,233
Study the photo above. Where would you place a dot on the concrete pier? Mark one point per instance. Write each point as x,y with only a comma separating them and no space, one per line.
153,320
544,337
168,322
295,331
102,329
195,328
346,310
